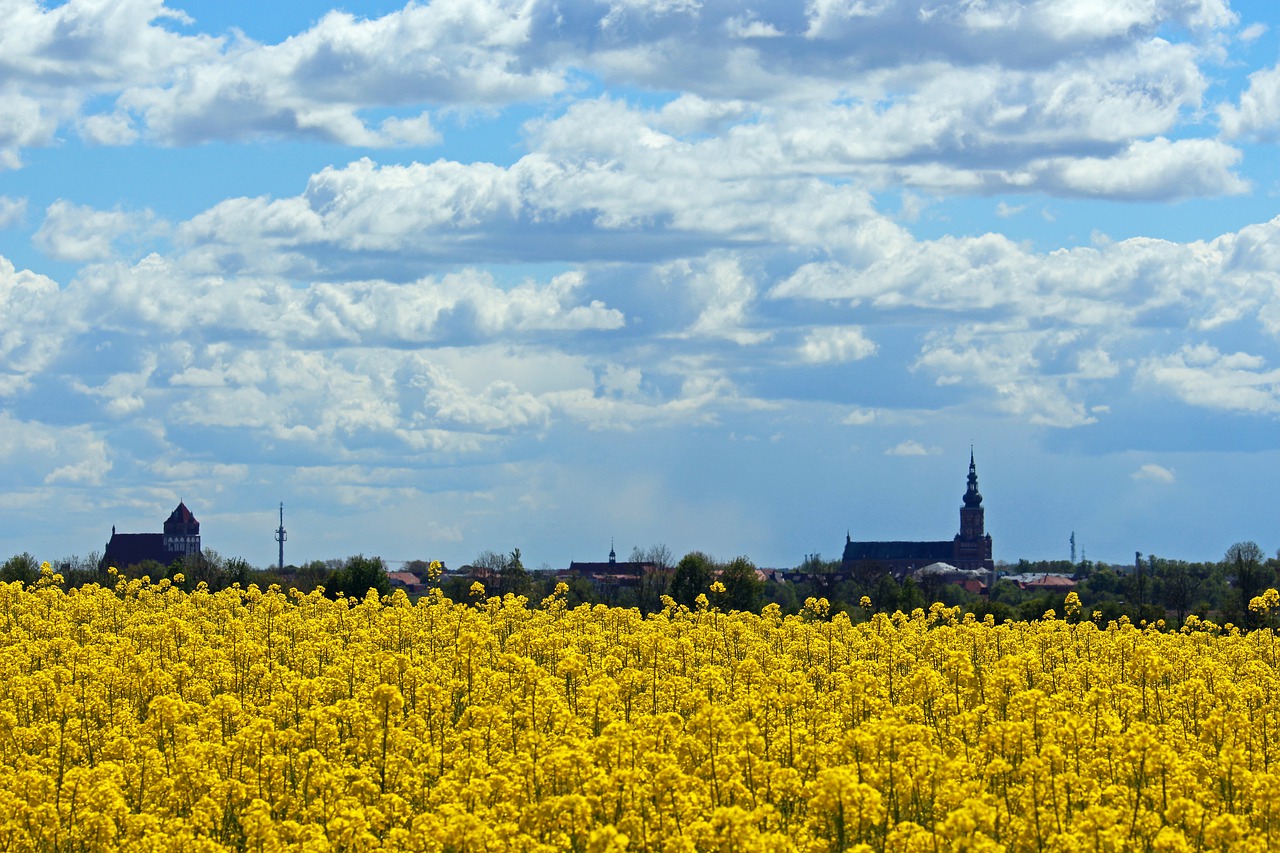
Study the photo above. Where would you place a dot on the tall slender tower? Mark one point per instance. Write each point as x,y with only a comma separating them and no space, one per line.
280,535
972,549
971,514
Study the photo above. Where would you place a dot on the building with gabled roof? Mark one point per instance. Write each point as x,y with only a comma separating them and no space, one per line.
970,549
608,574
180,539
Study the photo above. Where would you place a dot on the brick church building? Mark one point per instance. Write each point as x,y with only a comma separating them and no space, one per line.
180,539
969,549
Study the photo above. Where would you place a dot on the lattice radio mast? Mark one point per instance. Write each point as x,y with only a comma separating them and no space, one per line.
280,535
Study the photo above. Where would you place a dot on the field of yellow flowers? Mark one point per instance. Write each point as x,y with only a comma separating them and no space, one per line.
148,718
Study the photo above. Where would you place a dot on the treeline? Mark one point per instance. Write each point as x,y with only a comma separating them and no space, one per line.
353,576
1149,589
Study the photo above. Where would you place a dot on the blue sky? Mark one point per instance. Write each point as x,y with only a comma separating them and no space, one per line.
458,276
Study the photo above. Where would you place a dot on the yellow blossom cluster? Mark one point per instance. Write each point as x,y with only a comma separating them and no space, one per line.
148,718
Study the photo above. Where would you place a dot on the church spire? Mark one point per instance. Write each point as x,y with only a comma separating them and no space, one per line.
972,497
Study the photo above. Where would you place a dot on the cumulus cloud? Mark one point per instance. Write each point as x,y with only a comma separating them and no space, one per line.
725,294
1201,375
1016,365
37,452
1153,473
72,232
114,129
32,326
1258,114
1138,282
316,83
836,344
12,211
470,304
54,59
911,447
953,97
123,393
1157,169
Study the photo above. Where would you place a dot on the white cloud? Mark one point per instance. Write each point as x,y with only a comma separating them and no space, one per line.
315,83
1253,32
73,232
859,417
499,406
1013,364
911,448
1154,473
12,211
1201,375
55,59
32,326
1155,169
725,293
91,470
123,393
750,27
37,452
114,129
836,344
160,293
1139,281
1258,115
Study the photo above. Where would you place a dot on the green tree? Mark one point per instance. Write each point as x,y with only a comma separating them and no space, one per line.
358,575
910,597
742,587
1244,561
692,578
20,567
1177,586
512,576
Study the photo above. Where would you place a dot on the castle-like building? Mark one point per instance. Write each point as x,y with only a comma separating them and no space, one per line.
181,538
970,549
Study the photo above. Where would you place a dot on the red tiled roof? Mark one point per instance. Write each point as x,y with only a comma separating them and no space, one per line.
181,514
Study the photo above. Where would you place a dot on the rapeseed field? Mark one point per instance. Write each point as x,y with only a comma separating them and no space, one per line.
143,717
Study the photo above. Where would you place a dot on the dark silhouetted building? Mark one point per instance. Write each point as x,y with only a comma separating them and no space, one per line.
612,574
181,538
970,549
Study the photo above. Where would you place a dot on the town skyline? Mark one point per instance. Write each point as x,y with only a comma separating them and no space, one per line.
447,276
972,502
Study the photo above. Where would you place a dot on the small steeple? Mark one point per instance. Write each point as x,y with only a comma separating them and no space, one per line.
972,497
613,557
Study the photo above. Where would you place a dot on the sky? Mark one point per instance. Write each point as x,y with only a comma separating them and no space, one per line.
476,275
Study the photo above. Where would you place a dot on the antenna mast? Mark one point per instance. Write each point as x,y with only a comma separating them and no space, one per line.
280,535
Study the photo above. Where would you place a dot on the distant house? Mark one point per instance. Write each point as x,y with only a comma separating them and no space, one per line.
407,581
970,549
180,539
1043,581
611,574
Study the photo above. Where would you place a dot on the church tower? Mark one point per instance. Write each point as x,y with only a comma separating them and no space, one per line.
971,514
182,532
972,543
